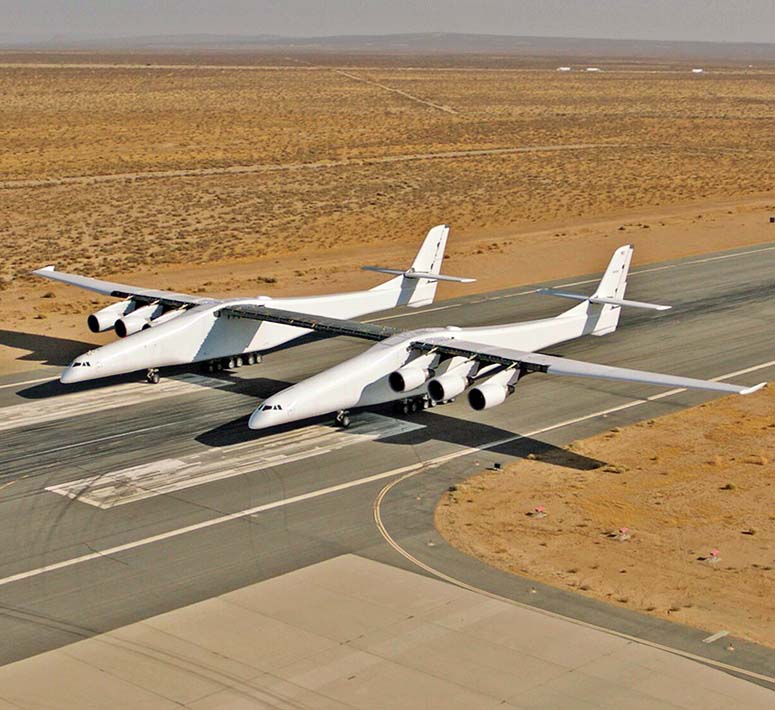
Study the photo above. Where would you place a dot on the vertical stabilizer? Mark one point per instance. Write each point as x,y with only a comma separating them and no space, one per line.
414,289
421,292
613,285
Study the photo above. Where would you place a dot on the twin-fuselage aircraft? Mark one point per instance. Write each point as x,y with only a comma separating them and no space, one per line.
416,368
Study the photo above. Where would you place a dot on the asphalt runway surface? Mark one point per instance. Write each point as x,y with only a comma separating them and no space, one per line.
121,500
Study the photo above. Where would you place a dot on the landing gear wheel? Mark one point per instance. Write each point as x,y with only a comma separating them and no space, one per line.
405,408
414,406
342,419
251,359
230,363
238,361
152,376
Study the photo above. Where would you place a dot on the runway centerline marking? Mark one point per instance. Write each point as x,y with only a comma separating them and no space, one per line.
157,478
437,461
99,400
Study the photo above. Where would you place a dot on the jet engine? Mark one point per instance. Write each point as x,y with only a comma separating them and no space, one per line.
493,391
447,386
412,375
408,378
137,320
164,317
106,318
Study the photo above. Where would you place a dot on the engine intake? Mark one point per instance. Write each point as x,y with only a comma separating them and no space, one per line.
493,391
106,318
408,378
447,386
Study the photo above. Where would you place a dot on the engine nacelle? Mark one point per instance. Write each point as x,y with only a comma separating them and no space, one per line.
137,320
408,378
488,394
447,386
106,318
164,317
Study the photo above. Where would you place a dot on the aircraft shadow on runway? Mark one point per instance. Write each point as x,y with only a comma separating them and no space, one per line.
54,388
435,427
45,349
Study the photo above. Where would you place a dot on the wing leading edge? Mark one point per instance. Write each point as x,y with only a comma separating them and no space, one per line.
488,354
117,290
537,362
322,324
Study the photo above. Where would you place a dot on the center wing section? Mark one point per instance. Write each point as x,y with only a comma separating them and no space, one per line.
322,324
553,365
169,299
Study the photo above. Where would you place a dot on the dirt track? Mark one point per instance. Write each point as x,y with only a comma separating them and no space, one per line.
279,167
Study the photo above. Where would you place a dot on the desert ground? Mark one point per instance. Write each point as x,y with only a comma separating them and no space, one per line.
244,174
249,174
680,486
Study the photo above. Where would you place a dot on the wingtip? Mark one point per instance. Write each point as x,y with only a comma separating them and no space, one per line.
755,388
45,269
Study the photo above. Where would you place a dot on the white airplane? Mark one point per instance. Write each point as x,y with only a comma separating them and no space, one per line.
433,365
162,328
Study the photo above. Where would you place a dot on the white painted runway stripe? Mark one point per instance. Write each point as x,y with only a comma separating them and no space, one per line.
177,532
715,637
27,382
98,400
169,475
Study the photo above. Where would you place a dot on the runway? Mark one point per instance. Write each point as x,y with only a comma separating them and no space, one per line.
121,501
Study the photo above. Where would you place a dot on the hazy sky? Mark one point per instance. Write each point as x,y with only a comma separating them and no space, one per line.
718,20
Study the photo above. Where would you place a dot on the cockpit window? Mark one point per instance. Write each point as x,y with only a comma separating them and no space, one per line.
270,407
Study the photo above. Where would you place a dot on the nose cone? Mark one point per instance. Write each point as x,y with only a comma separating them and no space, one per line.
73,373
268,415
84,367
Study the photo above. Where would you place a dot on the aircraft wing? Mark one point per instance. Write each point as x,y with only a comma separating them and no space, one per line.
553,365
322,324
488,354
108,288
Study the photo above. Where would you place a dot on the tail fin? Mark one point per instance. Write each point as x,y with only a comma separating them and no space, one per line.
418,283
431,253
612,286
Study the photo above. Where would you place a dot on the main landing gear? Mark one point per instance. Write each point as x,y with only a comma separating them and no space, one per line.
342,419
152,376
411,405
230,363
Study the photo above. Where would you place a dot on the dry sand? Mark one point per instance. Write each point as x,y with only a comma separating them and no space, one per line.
256,179
683,485
45,323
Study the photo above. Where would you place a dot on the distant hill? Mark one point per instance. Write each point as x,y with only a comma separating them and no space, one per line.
421,43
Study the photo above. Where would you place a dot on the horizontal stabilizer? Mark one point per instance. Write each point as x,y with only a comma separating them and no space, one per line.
603,300
412,274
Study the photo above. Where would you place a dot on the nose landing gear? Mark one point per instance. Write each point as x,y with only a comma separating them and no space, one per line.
152,376
342,419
